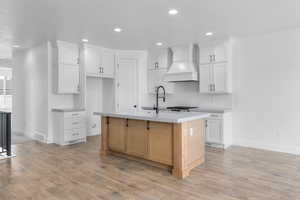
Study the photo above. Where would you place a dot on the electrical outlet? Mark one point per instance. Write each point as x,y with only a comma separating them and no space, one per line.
191,132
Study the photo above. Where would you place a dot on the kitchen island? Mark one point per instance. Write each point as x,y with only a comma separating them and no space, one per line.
174,141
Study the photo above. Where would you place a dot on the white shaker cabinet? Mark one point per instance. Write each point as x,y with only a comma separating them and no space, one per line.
66,62
157,68
214,131
99,62
70,127
218,131
108,63
68,53
158,58
92,60
215,68
205,78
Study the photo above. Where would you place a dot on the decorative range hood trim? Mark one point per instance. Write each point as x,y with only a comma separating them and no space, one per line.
183,68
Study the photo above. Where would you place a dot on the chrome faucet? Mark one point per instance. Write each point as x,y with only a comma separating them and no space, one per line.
158,97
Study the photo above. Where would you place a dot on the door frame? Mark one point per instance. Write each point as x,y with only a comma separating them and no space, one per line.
140,57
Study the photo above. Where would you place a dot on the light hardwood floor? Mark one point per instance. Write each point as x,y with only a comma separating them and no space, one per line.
44,172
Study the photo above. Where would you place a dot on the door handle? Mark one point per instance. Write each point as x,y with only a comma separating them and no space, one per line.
134,106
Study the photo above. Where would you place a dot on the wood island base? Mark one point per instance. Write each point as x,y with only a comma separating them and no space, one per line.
178,147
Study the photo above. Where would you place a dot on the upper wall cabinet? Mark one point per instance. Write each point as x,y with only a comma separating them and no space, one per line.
157,68
68,53
66,64
217,53
215,68
158,59
99,62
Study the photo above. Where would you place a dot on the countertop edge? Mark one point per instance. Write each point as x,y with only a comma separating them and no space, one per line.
67,109
182,120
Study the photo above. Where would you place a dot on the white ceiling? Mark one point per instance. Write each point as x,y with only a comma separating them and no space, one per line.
145,22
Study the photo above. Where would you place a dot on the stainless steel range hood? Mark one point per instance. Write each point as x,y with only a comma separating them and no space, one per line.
184,63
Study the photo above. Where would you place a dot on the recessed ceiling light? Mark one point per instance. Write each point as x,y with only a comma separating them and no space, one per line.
159,43
173,12
209,33
84,40
15,46
118,30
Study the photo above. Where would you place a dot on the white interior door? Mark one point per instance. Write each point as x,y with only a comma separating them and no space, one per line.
127,85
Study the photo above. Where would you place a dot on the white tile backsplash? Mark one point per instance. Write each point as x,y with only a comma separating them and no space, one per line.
187,94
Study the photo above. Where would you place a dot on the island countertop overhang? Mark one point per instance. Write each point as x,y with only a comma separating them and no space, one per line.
166,117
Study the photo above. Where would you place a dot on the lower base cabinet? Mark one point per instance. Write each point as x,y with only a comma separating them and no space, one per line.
70,127
149,140
117,134
177,146
160,142
137,138
219,130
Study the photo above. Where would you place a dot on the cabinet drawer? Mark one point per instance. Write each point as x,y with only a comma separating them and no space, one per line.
73,123
74,134
73,114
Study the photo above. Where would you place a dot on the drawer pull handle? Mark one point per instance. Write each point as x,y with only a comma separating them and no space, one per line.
214,115
75,134
75,114
74,123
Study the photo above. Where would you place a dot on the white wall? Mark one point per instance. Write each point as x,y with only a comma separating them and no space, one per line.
267,91
35,81
18,109
54,100
33,96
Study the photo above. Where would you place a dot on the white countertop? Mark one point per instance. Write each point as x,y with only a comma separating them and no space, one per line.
161,117
67,109
5,110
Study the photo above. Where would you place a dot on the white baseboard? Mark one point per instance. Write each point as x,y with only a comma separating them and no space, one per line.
271,147
93,133
18,131
36,135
